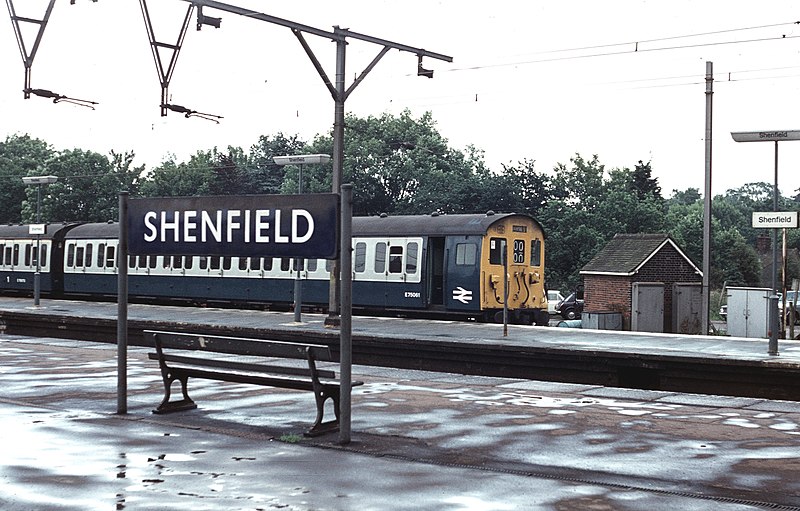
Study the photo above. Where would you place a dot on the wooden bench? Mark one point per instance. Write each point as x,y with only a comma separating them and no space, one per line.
241,360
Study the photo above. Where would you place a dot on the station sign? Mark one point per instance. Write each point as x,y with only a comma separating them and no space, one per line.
775,219
765,136
37,229
244,226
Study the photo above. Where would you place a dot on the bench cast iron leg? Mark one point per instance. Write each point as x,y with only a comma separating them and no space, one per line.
175,406
322,394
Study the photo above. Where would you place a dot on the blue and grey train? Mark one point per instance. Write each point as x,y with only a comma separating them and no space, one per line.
423,265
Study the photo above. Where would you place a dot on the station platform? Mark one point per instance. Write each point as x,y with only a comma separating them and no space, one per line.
420,440
719,365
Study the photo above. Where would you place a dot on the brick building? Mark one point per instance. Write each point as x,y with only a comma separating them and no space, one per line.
635,258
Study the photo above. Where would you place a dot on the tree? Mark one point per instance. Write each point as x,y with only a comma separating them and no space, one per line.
20,155
87,189
643,184
264,176
171,179
399,165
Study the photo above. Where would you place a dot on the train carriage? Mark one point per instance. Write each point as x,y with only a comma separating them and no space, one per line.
18,255
432,265
460,263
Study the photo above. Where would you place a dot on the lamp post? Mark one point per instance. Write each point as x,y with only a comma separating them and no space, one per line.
300,160
38,229
771,136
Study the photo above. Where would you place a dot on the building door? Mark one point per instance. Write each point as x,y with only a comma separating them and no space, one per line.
648,307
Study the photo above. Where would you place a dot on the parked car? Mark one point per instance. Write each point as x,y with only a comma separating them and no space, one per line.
553,299
570,307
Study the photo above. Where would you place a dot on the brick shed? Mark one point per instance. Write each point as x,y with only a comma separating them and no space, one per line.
630,258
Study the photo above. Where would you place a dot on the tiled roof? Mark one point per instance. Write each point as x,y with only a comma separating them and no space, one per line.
626,253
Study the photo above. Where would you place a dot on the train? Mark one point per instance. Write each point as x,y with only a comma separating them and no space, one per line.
437,265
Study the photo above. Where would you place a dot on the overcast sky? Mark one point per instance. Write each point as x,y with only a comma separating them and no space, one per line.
623,79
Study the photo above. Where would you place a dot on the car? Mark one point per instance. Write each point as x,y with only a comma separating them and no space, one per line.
553,299
570,307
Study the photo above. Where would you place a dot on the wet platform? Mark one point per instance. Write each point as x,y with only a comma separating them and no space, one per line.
420,440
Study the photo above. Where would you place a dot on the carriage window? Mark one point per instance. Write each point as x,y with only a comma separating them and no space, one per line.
177,262
496,250
131,262
312,264
79,253
254,263
536,252
411,258
189,262
329,265
101,250
16,254
2,253
152,261
89,254
298,264
285,261
215,263
27,255
360,262
165,262
465,254
7,257
243,263
44,255
204,263
111,260
267,263
395,259
380,257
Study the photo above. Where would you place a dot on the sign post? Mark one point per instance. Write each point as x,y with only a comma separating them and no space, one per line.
771,136
300,160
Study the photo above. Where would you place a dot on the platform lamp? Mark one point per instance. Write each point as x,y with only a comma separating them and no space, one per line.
300,160
38,229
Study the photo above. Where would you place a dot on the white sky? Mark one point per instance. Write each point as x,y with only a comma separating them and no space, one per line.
508,92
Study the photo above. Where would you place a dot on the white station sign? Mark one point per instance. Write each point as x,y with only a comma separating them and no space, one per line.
775,219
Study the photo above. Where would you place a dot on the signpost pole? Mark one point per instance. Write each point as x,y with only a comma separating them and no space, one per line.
346,310
122,306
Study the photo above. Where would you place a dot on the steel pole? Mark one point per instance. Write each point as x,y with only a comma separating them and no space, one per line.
298,283
333,320
37,277
773,302
122,306
345,330
705,319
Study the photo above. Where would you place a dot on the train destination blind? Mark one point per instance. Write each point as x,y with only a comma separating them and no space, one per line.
246,226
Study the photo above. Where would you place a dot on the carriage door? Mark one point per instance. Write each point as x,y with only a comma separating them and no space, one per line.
435,271
462,273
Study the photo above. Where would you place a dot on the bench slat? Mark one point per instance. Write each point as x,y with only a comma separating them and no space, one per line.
286,383
243,366
242,346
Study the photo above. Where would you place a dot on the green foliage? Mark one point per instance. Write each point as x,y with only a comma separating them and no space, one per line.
87,189
171,179
20,156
